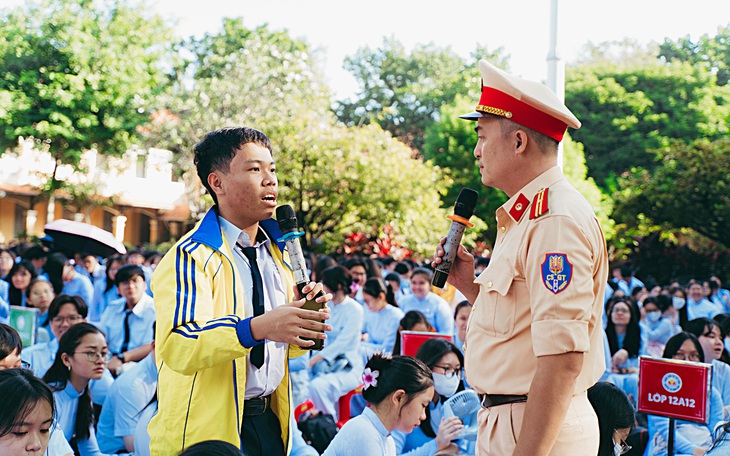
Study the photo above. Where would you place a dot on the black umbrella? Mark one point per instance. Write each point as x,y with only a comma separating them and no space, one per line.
82,237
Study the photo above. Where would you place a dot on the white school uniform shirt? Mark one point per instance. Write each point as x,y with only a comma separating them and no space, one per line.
67,401
434,308
141,435
140,323
363,435
381,328
259,381
57,443
126,399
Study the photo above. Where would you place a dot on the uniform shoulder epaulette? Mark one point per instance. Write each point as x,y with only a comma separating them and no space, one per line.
539,205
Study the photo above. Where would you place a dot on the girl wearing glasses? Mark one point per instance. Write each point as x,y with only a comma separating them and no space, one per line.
624,336
82,357
64,312
690,438
435,434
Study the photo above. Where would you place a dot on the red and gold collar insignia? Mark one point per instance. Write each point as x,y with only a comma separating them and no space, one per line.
539,204
519,208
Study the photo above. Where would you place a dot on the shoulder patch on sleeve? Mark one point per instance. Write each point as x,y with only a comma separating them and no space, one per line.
557,272
539,204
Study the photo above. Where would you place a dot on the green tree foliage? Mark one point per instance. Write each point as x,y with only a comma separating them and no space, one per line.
450,145
629,111
688,189
361,180
339,179
576,172
710,51
403,91
79,74
239,76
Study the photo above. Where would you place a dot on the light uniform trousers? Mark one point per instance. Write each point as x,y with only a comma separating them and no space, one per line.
499,428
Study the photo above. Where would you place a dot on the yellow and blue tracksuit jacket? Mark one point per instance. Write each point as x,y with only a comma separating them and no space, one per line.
202,339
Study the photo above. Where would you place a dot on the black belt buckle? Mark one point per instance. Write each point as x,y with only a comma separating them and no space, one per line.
256,406
493,400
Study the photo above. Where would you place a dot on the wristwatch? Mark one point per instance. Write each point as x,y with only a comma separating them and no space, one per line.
120,357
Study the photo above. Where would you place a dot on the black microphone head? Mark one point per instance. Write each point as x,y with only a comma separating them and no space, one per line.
465,203
286,218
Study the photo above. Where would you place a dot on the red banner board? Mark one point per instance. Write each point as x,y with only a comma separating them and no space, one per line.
410,341
675,389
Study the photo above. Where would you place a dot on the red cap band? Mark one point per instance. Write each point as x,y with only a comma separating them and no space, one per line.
493,101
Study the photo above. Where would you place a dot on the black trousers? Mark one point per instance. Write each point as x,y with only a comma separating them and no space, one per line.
261,435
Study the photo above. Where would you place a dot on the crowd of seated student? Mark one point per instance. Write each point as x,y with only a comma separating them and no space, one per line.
650,322
372,306
62,289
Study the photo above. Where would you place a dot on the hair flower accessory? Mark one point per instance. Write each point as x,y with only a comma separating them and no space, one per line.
369,378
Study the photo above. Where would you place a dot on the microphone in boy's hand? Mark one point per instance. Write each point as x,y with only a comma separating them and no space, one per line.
287,220
463,210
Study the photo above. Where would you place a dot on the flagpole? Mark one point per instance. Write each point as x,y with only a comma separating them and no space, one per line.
556,67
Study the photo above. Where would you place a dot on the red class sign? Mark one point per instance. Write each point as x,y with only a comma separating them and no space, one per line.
676,389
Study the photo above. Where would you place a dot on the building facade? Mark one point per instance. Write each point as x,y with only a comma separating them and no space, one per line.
134,196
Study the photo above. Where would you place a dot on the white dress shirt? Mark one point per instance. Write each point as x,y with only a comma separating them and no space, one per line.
264,380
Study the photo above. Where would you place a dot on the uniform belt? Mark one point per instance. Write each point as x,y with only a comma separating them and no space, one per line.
493,400
256,406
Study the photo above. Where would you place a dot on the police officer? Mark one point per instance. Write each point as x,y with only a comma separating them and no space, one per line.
534,342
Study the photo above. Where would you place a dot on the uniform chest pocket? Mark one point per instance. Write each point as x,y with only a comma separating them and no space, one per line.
495,306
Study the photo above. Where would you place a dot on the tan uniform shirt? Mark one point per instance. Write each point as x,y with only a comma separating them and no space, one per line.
542,293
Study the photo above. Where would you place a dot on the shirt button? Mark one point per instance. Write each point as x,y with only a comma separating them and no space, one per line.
463,347
489,284
502,228
473,308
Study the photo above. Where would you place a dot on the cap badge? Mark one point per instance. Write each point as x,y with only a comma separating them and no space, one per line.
494,111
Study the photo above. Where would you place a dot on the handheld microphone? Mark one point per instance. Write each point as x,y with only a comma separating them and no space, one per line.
287,220
463,210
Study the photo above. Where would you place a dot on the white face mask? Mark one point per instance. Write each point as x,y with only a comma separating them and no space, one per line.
445,386
678,302
616,449
653,317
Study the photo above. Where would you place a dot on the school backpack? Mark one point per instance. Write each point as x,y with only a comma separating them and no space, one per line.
318,430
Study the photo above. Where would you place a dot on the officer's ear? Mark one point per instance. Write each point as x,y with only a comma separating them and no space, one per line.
520,139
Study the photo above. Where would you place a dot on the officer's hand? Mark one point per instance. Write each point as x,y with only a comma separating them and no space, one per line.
462,271
290,323
449,429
